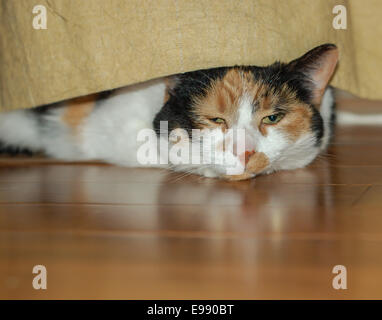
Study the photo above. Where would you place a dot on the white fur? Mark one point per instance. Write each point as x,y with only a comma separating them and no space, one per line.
348,118
326,111
244,112
110,133
19,128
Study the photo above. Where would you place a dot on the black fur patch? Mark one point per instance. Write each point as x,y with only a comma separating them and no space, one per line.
14,151
317,126
178,110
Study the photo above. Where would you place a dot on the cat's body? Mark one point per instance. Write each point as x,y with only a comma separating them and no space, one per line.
88,128
285,110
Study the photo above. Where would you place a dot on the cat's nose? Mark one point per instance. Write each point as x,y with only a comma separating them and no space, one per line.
244,157
244,148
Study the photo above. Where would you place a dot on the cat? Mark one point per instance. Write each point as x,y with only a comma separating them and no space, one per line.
285,112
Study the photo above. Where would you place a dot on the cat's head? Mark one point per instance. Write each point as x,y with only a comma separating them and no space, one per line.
276,108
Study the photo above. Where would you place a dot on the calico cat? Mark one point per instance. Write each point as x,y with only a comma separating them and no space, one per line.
285,110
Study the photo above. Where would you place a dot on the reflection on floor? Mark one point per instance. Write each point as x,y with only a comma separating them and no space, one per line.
109,232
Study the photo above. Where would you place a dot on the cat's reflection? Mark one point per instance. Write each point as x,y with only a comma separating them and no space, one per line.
152,199
286,201
219,224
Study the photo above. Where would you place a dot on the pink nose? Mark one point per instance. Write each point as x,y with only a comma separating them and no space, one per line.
246,149
244,157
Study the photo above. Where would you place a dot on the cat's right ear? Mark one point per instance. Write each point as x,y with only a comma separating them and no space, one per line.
317,66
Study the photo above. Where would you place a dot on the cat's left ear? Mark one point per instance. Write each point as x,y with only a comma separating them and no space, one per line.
317,65
171,82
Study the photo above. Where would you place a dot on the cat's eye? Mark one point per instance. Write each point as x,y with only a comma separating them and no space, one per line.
218,120
273,118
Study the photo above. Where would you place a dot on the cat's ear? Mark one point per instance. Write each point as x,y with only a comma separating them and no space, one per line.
317,65
171,82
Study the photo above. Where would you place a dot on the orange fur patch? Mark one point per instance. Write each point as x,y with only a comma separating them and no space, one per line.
257,162
223,97
297,121
77,110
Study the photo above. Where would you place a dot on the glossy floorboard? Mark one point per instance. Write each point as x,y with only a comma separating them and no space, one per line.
117,233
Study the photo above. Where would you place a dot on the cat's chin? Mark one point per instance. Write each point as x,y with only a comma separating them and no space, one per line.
210,173
239,177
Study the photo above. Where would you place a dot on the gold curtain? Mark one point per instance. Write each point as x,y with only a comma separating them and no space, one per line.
95,45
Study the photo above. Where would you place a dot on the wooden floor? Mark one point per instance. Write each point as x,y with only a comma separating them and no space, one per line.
117,233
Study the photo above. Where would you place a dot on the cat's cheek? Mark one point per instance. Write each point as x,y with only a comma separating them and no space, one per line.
273,144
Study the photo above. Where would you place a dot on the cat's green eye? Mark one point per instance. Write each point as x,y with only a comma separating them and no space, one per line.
273,118
218,120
